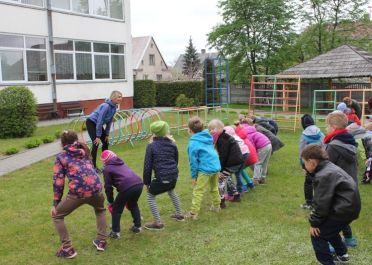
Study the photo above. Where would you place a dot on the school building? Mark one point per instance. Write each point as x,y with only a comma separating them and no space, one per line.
70,53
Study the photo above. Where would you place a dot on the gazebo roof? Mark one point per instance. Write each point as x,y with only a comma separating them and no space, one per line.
345,61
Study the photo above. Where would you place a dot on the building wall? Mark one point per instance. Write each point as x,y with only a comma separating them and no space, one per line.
32,21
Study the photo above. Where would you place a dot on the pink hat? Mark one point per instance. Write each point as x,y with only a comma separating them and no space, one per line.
107,155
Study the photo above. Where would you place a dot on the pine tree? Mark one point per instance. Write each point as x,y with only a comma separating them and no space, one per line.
191,61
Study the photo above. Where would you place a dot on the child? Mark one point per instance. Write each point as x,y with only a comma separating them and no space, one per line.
231,159
336,204
162,157
342,151
129,188
204,167
264,149
74,162
103,115
367,144
310,135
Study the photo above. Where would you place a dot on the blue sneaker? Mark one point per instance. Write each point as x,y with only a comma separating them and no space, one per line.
245,188
251,185
350,242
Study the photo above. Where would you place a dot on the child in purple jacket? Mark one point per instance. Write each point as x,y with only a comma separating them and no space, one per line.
84,186
129,188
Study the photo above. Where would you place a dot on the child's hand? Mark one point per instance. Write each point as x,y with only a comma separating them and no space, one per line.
147,188
194,181
109,207
53,211
97,141
314,231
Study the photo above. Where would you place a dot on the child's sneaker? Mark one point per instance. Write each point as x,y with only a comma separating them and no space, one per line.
99,244
256,182
236,198
135,229
306,206
192,216
251,185
178,217
262,181
350,242
222,204
114,235
154,226
229,197
67,253
341,259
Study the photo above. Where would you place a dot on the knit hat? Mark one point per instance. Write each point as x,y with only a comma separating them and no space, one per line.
159,128
107,155
306,121
341,107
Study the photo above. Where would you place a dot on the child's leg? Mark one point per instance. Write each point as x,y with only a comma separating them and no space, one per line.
153,207
308,189
221,186
133,204
97,202
265,163
64,208
231,189
246,176
198,192
213,189
117,210
176,201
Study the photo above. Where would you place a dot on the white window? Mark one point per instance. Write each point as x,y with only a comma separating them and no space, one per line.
39,3
80,6
61,4
159,77
152,59
83,60
22,58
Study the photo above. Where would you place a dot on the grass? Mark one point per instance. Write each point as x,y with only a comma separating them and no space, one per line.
267,227
40,133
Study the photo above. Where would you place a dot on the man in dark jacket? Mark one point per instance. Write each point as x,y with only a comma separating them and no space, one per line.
336,204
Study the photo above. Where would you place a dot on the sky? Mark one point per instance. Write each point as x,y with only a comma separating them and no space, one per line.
172,22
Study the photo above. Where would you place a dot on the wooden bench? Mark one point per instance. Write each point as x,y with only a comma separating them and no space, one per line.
45,111
72,109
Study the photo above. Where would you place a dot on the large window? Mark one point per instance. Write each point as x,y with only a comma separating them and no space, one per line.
39,3
82,60
103,8
22,58
152,59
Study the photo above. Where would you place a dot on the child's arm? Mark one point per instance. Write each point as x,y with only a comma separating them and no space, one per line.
58,181
176,154
148,165
193,160
108,187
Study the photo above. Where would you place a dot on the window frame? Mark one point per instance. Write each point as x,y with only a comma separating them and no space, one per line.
24,50
152,62
19,2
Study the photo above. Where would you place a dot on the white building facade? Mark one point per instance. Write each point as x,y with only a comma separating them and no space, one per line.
73,55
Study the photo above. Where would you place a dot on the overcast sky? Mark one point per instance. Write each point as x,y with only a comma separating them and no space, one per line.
172,22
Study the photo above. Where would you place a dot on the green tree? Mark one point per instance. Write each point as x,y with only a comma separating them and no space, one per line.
191,61
254,35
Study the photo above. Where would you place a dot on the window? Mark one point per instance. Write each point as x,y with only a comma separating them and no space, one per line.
61,4
159,77
145,77
31,2
152,59
22,58
84,60
116,9
100,7
80,6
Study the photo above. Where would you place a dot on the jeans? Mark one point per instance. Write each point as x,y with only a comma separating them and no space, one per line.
308,189
130,198
91,127
329,232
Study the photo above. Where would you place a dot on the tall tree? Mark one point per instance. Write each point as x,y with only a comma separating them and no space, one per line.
191,61
252,33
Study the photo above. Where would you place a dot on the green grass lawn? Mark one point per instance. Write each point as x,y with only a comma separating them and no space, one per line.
266,227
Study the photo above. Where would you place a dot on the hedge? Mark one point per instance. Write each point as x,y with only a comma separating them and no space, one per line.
144,94
167,92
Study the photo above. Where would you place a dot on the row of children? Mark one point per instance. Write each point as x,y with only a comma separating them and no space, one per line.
330,165
214,155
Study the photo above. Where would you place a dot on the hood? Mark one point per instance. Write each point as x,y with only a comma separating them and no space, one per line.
348,151
115,161
203,136
312,130
307,120
229,130
75,150
346,138
250,129
108,101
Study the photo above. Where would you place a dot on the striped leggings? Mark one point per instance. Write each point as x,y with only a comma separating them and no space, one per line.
154,208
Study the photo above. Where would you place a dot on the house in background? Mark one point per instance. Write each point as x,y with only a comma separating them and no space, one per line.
148,63
203,55
72,57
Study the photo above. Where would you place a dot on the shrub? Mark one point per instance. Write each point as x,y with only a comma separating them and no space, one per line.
48,139
244,112
183,102
57,134
33,143
232,112
144,94
11,151
167,92
18,115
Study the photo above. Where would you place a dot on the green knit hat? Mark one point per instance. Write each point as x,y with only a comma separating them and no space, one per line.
159,128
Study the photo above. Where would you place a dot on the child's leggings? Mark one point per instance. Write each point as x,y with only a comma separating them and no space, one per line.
245,176
154,208
226,181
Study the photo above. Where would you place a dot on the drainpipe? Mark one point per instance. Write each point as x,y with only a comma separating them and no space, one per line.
52,67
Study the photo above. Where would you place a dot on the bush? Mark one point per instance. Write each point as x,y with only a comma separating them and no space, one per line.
167,92
48,139
183,102
11,151
18,114
33,143
244,112
144,94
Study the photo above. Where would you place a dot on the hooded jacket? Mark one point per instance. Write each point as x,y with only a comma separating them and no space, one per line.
162,157
342,151
258,139
117,174
83,180
202,155
103,114
311,135
243,147
253,157
336,195
228,151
